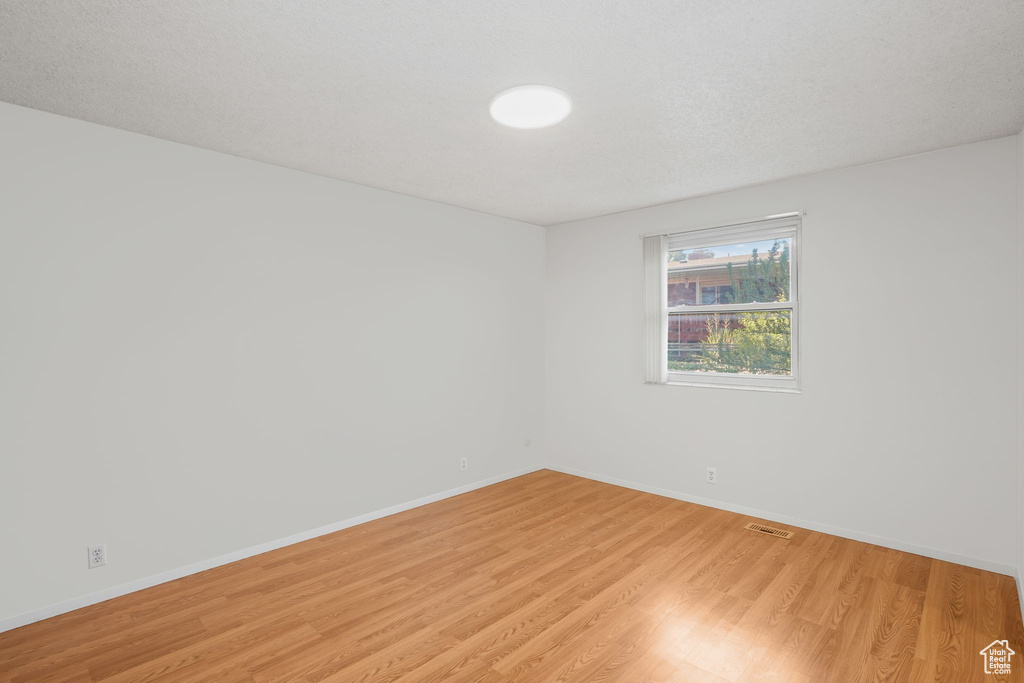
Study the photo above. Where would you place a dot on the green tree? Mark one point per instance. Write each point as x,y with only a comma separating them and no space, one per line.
762,344
764,279
758,342
716,347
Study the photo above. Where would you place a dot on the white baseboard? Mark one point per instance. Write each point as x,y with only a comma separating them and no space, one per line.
196,567
803,523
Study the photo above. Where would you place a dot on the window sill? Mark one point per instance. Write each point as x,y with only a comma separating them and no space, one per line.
737,387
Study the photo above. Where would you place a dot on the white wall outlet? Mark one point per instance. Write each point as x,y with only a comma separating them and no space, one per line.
97,555
527,443
463,464
712,476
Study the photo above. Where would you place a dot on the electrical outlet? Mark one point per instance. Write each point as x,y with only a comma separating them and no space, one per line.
712,476
97,555
463,464
527,443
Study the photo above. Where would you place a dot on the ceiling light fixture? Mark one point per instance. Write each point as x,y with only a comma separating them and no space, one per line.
530,106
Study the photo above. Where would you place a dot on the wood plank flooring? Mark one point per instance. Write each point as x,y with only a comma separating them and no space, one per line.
546,577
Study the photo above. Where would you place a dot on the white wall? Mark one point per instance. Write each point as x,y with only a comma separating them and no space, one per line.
905,432
1020,366
201,353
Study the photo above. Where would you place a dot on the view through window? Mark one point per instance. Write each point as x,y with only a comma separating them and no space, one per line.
739,341
730,303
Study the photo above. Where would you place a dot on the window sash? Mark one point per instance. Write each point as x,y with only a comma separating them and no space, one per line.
746,232
730,308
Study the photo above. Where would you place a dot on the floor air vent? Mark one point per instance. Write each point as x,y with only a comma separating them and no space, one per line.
770,530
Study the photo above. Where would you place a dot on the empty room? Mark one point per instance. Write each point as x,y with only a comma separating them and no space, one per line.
489,341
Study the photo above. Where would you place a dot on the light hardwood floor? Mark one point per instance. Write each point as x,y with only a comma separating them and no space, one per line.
546,577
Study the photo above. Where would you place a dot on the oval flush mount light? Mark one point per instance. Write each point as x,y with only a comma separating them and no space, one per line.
530,106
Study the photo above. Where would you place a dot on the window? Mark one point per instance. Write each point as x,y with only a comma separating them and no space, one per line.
716,294
722,305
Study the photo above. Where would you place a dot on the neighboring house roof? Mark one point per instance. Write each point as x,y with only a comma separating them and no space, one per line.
716,262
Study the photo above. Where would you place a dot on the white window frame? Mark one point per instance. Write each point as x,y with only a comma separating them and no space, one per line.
656,248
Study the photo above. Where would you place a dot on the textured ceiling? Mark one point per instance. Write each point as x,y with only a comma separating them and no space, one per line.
671,98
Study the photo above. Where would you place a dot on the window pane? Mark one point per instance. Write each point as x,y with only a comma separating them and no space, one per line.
752,343
745,272
682,293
